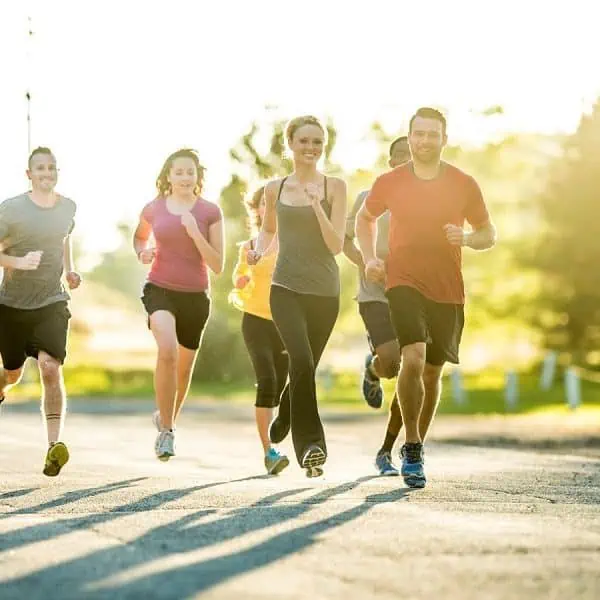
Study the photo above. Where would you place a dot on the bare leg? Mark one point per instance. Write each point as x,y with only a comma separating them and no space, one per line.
54,398
263,420
432,382
386,364
410,389
8,379
162,325
186,359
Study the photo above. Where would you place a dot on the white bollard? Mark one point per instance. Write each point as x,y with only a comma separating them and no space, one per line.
572,388
458,391
548,370
511,390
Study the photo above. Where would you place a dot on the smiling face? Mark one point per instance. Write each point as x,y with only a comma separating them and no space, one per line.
307,144
427,140
400,153
183,176
42,172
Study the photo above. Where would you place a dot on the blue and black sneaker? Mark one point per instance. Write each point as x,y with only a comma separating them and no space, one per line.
412,465
371,385
385,466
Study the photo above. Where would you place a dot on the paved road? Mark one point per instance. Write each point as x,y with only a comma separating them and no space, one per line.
493,523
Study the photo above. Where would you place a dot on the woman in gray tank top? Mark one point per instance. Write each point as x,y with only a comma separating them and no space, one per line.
307,211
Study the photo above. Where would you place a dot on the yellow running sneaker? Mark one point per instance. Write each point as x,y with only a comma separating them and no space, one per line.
56,458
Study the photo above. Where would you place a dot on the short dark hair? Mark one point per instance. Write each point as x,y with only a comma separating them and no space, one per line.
426,112
402,138
39,150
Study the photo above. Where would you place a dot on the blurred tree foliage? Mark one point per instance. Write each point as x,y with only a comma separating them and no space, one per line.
564,250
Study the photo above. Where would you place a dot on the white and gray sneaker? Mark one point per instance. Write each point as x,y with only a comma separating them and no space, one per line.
165,445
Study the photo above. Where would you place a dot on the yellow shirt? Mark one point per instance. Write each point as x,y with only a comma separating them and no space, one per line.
254,297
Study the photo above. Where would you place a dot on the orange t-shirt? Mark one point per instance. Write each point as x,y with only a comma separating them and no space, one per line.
420,255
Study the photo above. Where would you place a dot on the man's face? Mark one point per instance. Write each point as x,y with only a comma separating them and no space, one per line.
42,172
427,140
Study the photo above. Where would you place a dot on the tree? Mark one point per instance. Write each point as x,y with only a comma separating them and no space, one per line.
567,250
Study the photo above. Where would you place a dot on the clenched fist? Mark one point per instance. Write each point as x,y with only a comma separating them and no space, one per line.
73,279
455,235
313,193
147,255
190,224
242,282
252,257
375,271
29,262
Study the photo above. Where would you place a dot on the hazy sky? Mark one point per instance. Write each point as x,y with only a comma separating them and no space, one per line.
116,86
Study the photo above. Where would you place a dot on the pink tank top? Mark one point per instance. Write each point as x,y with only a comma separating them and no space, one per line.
178,264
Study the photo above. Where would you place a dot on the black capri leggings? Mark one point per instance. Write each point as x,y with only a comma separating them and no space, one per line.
269,359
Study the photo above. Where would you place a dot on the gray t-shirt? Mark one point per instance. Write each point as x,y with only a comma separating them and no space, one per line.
367,291
26,227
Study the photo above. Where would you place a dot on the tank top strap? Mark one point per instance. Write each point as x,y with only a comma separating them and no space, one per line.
280,189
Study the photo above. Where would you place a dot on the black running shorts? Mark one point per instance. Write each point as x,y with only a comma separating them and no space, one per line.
190,309
378,323
26,332
419,319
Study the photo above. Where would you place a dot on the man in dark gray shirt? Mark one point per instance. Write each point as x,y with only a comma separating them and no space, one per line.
35,250
384,358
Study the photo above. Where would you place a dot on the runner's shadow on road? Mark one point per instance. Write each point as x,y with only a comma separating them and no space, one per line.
53,529
17,493
200,576
110,572
74,496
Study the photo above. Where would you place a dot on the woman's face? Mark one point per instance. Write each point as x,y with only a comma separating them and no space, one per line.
183,175
307,144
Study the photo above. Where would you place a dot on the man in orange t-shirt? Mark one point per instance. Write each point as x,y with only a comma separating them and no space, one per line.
429,201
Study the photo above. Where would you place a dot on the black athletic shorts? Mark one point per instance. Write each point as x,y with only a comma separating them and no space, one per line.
26,332
378,323
419,319
190,309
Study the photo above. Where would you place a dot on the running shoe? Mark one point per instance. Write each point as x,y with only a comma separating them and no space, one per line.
371,385
56,458
385,466
275,462
412,465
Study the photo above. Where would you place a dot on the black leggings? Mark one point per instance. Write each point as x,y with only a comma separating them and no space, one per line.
269,359
305,322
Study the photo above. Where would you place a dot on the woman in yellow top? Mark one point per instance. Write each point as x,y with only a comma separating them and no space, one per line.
252,285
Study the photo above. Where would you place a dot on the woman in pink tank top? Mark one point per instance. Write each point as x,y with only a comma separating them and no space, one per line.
188,236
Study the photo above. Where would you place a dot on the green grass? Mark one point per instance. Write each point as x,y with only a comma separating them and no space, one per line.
484,392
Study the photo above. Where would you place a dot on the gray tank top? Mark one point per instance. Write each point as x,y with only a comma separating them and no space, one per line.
304,263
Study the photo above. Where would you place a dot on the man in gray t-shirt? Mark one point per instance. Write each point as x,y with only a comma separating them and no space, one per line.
35,249
384,358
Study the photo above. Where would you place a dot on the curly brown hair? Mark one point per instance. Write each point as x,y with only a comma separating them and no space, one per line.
162,181
251,204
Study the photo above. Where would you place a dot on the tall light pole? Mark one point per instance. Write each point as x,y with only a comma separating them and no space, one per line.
28,90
